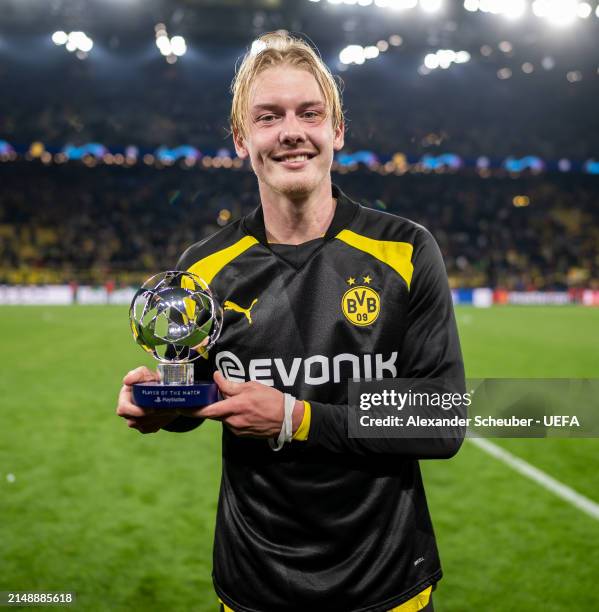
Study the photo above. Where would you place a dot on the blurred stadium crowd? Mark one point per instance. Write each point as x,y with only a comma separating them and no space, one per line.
526,90
543,116
70,223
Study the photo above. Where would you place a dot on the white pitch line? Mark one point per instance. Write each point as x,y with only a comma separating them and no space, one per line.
588,506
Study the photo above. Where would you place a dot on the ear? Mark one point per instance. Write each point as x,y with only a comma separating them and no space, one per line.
240,148
339,137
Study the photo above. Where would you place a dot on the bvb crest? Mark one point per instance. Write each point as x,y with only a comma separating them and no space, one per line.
361,304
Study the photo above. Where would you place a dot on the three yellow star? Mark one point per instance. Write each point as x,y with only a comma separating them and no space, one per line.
367,279
351,281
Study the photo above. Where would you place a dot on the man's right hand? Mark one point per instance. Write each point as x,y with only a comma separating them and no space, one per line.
145,420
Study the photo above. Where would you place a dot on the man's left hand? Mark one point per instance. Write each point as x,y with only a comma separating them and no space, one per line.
249,408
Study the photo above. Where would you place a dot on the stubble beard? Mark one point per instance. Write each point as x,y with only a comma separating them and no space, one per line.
296,188
292,187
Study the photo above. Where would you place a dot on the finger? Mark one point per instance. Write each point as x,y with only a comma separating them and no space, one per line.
125,395
227,387
126,409
141,374
217,410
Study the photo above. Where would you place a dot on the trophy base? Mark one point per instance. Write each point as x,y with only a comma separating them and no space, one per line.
159,395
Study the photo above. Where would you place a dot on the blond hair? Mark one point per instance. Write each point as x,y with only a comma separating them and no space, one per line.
276,49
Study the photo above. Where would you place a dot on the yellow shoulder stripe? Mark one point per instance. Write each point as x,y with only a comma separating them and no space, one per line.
397,255
211,265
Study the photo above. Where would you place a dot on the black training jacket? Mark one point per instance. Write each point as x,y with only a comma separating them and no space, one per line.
330,523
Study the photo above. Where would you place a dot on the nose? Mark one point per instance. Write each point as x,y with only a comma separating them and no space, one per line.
291,131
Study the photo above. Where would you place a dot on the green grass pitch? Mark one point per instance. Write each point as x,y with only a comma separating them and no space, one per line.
126,521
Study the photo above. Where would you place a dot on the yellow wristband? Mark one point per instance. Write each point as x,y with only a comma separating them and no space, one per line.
304,427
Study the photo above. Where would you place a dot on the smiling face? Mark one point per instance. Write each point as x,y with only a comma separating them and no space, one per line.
289,135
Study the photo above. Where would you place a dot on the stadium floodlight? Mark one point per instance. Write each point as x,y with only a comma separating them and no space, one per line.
382,45
431,61
60,38
75,42
597,11
491,6
346,55
557,12
396,40
443,59
563,12
365,2
513,9
539,8
584,10
431,6
164,45
76,37
398,5
371,52
352,54
178,46
86,44
446,57
79,41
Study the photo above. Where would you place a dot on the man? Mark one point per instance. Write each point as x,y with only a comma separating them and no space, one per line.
329,522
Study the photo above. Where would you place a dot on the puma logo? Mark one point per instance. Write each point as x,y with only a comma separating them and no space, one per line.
228,305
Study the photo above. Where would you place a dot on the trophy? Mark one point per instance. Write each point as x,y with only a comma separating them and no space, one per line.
175,317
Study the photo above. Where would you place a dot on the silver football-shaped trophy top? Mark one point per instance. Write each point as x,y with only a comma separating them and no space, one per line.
175,317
